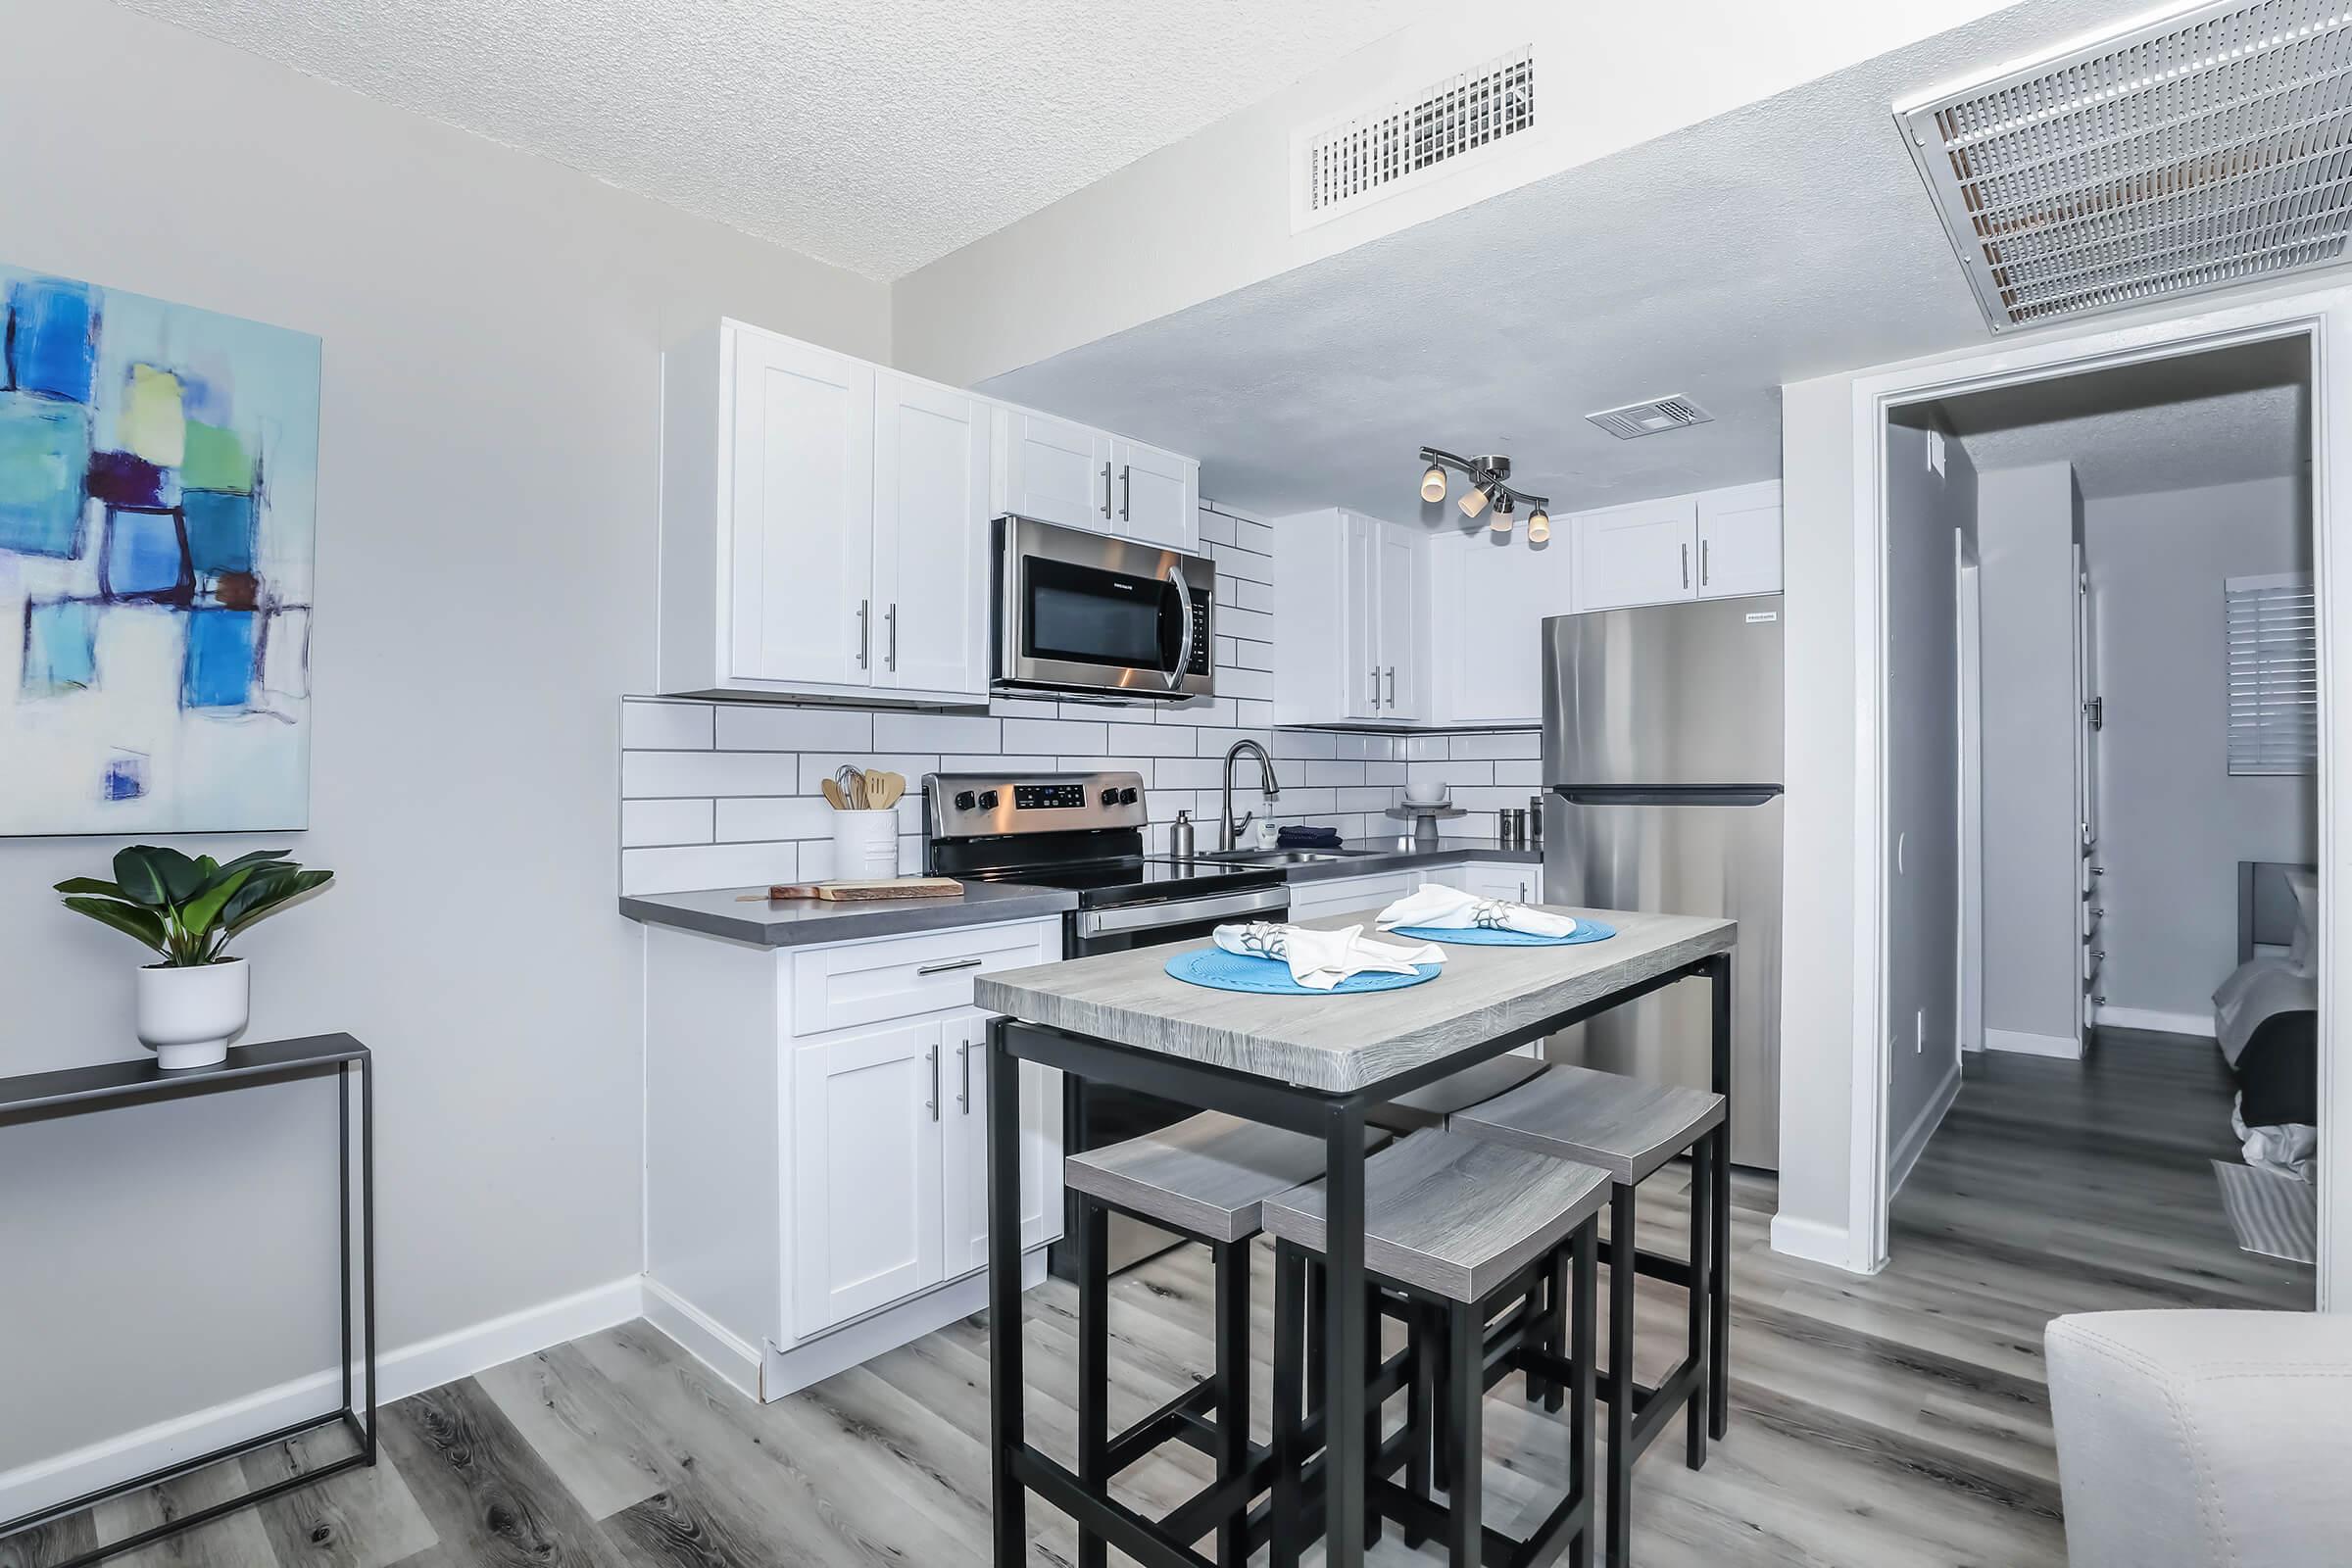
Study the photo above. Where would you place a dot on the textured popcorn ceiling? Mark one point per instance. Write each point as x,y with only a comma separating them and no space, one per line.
877,136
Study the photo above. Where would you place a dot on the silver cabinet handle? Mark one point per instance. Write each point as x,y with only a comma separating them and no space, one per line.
1106,492
1392,685
950,963
963,1065
933,1108
1522,891
1702,561
1375,685
1685,566
866,632
890,619
1127,493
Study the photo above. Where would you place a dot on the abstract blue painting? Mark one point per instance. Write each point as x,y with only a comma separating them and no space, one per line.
159,497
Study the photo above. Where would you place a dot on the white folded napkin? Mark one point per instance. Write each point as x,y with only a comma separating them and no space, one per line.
1321,959
1451,909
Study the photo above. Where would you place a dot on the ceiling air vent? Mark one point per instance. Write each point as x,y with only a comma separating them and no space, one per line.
2210,148
1377,150
1649,419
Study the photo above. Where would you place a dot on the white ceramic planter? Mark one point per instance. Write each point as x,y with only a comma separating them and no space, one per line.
186,1016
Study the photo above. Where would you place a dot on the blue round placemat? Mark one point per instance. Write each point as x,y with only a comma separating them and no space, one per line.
1220,970
1487,937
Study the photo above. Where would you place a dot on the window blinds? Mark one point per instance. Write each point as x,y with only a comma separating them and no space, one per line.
2273,675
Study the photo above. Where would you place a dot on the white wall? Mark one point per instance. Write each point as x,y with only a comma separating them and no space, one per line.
488,466
1929,503
2173,823
2027,520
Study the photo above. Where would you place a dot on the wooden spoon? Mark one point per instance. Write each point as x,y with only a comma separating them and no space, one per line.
833,796
884,789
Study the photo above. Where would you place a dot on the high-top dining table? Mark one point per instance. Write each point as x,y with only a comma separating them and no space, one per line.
1314,1065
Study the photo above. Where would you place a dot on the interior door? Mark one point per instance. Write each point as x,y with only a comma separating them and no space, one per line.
965,1067
1399,670
1158,497
1739,541
802,514
1059,472
931,451
1636,555
867,1173
2090,717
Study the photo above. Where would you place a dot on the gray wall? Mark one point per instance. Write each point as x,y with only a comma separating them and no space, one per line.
2172,822
488,505
1926,513
2027,520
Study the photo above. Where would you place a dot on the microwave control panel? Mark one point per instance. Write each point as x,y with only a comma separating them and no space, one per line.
1203,654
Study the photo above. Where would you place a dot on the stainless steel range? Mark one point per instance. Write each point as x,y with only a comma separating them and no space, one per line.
1085,832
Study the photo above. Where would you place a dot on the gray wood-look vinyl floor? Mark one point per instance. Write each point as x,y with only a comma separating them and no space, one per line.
1895,1422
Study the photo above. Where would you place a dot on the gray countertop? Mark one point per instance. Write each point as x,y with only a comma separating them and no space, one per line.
1341,1043
1371,856
805,923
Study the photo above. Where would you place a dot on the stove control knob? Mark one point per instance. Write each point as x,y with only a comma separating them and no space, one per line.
1111,797
988,800
1126,796
965,799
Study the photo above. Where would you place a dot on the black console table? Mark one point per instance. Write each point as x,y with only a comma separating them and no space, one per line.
79,1091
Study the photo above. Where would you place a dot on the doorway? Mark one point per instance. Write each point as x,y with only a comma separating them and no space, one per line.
2102,743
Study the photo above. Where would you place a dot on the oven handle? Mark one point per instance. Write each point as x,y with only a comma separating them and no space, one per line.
1179,912
1184,627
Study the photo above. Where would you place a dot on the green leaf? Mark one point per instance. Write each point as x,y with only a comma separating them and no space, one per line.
90,884
201,912
256,900
257,858
128,918
140,877
181,876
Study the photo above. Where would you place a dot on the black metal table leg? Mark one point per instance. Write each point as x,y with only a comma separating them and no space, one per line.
1699,1410
1007,1433
1089,1248
1583,1332
1719,1327
1232,1391
1343,1332
1290,1328
1621,1373
1465,1357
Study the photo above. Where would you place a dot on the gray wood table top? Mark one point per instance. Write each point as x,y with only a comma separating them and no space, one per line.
1337,1044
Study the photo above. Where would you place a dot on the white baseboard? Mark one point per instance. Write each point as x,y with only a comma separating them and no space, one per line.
2026,1045
1914,1140
787,1372
2199,1024
410,1370
702,1337
1814,1243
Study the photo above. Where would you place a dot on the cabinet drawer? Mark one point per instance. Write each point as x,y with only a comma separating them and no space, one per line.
904,977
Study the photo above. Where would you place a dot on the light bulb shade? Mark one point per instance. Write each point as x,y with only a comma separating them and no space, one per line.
1501,522
1474,501
1432,484
1539,526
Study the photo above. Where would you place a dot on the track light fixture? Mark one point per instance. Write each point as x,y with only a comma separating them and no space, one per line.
1490,489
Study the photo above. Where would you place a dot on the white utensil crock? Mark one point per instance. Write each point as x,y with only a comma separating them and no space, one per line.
865,846
186,1016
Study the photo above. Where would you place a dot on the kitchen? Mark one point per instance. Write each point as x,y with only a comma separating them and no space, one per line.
785,526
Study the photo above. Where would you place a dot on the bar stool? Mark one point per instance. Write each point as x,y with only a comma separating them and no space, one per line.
1465,1230
1430,1104
1205,1178
1629,1128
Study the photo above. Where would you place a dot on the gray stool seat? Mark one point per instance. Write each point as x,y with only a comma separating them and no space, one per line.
1205,1176
1430,1104
1453,1215
1626,1126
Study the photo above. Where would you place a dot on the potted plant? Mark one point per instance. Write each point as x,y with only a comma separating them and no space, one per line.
190,910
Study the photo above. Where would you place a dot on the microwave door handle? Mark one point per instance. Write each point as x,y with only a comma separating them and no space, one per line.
1184,627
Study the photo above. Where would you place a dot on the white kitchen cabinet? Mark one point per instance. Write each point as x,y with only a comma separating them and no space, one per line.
1158,496
1489,603
1353,617
1642,554
1312,900
816,1145
1056,470
1503,880
823,526
1739,541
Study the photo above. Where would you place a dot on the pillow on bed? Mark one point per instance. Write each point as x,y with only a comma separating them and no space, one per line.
2303,951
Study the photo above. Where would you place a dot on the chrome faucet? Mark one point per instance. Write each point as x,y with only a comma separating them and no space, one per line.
1229,831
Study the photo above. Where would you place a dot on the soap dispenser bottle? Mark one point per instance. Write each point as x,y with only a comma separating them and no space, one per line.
1180,836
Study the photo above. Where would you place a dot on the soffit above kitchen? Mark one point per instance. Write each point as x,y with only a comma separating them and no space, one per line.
874,136
1786,239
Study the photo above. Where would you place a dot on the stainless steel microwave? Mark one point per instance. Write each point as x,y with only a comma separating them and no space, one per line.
1085,615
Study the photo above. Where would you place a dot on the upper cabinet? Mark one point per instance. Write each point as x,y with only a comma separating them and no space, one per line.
1716,545
1486,627
1351,620
825,521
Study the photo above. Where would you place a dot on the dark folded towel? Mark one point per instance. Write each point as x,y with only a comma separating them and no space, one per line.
1307,838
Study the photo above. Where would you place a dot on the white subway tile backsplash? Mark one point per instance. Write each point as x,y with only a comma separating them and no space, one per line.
707,866
1155,740
937,732
1254,595
1424,748
1200,711
1216,528
1114,712
1057,735
1523,774
648,824
1197,772
817,766
988,762
743,727
1525,743
1304,742
753,818
665,726
648,774
1333,773
1255,712
1024,706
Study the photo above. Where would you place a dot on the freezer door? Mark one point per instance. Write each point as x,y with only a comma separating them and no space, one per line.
1683,858
1665,694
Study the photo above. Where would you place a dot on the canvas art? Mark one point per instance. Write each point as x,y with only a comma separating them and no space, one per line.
158,502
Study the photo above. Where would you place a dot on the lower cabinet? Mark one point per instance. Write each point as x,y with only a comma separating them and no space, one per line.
1311,901
816,1145
1500,880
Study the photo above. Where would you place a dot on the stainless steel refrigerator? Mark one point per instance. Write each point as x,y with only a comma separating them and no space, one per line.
1663,792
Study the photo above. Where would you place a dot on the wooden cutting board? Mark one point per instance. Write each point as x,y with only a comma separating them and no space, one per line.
897,887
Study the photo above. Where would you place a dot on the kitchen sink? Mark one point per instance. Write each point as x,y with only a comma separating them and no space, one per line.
1274,857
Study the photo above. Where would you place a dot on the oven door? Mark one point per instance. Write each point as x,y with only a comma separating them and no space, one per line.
1093,1115
1086,612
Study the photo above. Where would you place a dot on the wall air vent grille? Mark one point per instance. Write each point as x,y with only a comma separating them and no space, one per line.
2210,148
1374,151
1650,418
